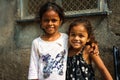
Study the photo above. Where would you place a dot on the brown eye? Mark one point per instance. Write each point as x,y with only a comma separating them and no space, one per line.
81,35
72,34
54,20
46,20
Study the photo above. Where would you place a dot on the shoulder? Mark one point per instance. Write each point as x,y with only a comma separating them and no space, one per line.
64,35
36,40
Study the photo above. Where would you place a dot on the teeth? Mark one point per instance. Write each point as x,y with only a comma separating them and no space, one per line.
77,42
51,26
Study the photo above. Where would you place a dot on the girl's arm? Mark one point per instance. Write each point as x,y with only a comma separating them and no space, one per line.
33,67
102,68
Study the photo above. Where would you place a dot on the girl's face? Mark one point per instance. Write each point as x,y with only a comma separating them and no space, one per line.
50,22
78,36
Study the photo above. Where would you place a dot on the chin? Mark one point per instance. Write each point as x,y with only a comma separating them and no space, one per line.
76,47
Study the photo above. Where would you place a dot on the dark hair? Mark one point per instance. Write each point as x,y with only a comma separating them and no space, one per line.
88,27
53,6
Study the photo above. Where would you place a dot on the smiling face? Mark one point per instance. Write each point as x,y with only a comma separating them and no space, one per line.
50,22
78,36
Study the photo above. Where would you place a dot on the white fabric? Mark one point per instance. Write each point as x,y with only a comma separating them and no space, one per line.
48,59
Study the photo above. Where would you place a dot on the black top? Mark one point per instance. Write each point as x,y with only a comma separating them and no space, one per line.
78,69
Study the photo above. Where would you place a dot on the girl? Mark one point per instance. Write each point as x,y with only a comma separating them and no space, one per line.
49,51
79,60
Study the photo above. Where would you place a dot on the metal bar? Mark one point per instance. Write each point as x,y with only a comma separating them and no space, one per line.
115,52
89,14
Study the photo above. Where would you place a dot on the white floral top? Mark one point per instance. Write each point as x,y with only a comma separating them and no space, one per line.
48,59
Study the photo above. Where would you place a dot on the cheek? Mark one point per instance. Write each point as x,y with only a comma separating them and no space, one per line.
42,25
58,24
82,39
69,38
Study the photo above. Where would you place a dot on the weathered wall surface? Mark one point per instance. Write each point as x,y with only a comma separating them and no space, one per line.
114,19
16,38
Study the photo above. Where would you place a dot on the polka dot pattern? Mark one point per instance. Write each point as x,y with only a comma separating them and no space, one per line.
78,69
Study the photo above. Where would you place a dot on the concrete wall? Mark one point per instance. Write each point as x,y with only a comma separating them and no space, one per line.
16,38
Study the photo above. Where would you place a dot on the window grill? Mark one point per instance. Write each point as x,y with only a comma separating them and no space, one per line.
34,5
72,5
29,8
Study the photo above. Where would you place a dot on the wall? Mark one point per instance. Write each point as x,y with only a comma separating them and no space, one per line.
16,38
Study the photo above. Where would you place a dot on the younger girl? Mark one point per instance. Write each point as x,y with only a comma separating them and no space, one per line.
79,60
49,51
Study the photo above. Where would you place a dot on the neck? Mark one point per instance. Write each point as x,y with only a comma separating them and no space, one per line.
51,37
73,52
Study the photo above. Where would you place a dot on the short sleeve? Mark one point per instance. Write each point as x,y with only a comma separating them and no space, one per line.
34,57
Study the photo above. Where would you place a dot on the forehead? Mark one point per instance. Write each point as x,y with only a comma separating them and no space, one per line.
78,29
50,14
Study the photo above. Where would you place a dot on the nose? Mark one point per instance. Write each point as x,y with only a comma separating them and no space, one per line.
50,22
76,37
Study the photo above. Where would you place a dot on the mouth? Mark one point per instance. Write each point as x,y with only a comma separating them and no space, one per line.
76,43
50,27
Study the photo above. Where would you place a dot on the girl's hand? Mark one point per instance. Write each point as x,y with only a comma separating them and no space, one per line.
92,49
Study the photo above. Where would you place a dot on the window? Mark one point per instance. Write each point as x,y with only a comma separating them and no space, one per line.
27,9
82,7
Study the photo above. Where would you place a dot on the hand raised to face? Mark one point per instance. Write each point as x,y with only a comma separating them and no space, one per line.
92,49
